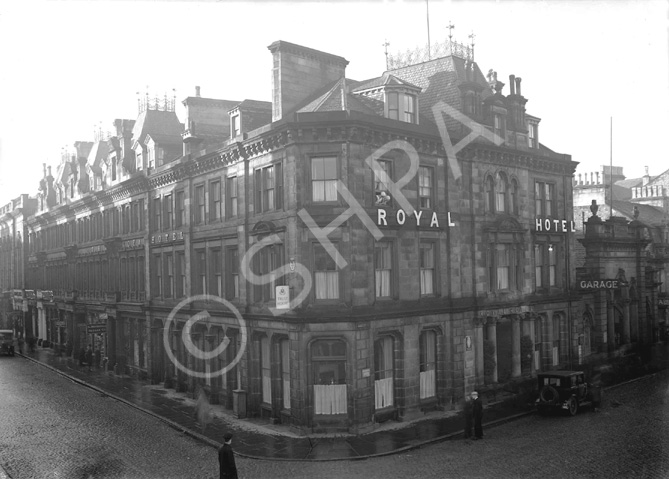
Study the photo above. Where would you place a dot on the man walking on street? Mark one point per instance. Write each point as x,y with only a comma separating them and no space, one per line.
469,417
226,459
477,408
89,357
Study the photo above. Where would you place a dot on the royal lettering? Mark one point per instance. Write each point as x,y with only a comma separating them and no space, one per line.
401,218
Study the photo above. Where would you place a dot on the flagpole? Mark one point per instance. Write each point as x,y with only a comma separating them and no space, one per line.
611,163
429,47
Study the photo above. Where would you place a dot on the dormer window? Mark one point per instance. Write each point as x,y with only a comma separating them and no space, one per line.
409,108
235,125
499,125
533,135
401,106
393,106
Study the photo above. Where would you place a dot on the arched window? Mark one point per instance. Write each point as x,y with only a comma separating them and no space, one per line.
489,189
513,197
500,193
588,336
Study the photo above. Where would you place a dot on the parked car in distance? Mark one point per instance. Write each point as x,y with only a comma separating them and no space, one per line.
563,391
7,342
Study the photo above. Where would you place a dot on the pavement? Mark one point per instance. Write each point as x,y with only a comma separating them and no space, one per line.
257,438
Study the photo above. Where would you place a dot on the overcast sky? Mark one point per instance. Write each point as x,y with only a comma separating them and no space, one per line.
69,67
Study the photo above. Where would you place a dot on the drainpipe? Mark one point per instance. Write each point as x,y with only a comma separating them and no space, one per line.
568,278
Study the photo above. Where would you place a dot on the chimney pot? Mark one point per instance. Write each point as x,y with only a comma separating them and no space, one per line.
512,80
518,80
197,91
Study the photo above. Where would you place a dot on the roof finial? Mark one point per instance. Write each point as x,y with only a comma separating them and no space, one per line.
386,44
472,37
450,35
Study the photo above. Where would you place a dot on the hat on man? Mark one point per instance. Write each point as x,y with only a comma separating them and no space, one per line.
475,394
227,437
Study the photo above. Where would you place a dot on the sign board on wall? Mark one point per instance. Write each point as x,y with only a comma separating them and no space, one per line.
282,297
595,284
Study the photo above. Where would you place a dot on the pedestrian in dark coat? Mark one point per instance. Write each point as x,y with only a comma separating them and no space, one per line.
468,411
98,356
89,357
82,356
226,459
477,410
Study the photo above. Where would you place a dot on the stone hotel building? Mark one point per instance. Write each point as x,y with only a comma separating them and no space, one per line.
414,222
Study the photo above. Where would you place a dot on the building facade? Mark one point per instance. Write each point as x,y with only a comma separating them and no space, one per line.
350,252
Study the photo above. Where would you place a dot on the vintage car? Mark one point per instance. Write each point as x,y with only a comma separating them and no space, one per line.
7,342
565,391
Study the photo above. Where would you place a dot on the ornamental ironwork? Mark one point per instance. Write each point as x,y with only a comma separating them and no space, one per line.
430,52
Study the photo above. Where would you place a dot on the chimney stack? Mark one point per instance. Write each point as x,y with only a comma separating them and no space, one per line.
518,80
299,72
197,91
512,80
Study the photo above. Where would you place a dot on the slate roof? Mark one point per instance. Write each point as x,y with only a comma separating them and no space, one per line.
331,100
256,104
157,123
440,79
98,153
629,183
384,80
649,215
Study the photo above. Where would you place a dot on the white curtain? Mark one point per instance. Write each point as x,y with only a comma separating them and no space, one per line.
267,389
382,283
330,399
556,356
266,371
427,384
286,393
383,393
426,277
327,284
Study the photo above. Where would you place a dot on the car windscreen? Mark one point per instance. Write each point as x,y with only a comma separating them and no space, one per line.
552,381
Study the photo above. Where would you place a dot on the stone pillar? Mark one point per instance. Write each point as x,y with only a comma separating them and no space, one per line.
516,370
626,322
610,325
634,320
492,336
478,349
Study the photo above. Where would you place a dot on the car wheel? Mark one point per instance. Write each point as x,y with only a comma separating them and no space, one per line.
549,395
573,406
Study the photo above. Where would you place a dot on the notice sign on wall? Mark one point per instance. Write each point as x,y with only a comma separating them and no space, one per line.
97,328
282,297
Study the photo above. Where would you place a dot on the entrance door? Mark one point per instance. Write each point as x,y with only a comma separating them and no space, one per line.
504,350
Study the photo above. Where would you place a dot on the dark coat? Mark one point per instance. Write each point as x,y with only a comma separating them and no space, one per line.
477,409
226,461
467,410
89,356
